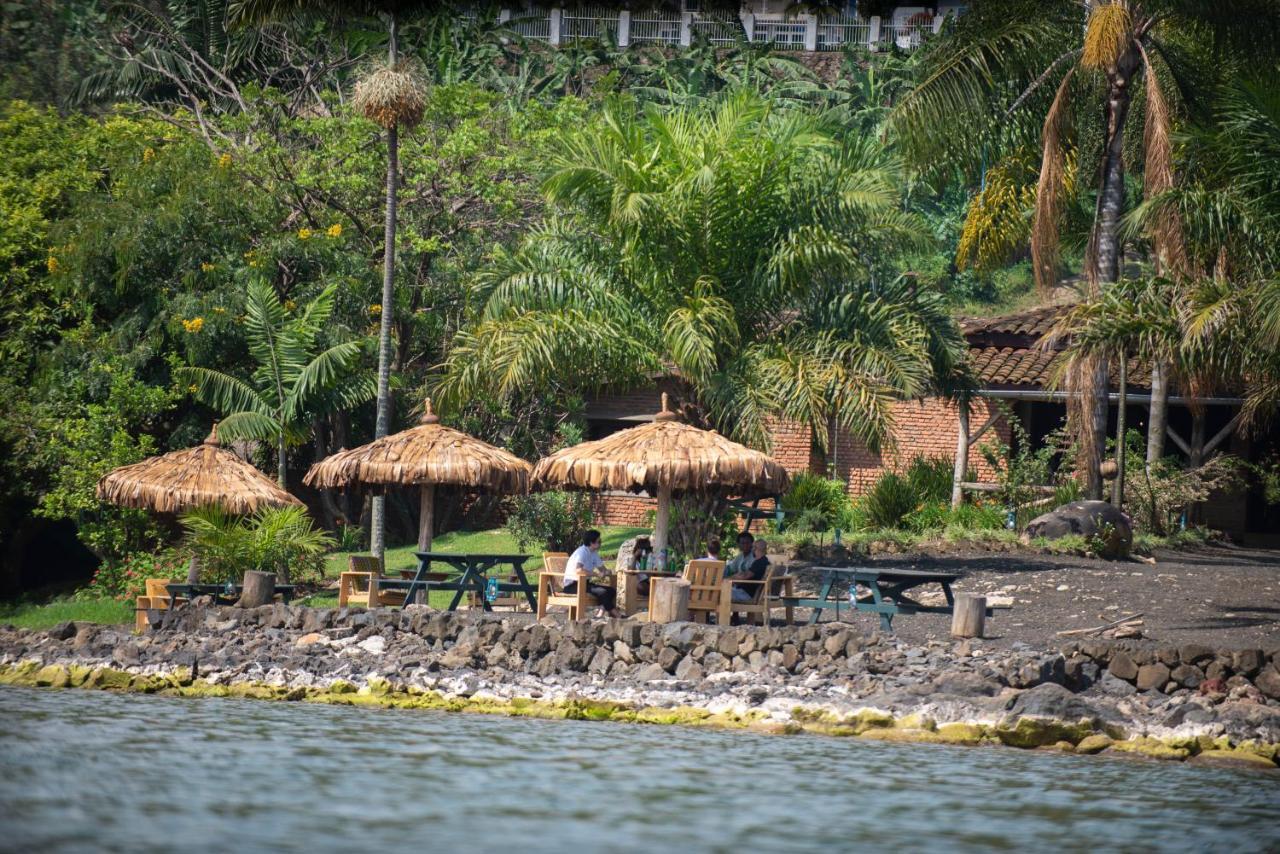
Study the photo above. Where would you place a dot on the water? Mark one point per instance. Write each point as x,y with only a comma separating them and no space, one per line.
88,771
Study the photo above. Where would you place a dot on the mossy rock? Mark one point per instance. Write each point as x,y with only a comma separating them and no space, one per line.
916,721
52,676
1095,743
106,679
866,719
181,676
378,687
1042,732
1151,747
22,673
200,688
1235,757
962,733
341,686
78,674
148,683
904,735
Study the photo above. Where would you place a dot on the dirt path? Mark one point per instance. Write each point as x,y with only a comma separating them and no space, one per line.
1219,596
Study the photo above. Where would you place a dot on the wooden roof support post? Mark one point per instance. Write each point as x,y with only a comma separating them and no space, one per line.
962,455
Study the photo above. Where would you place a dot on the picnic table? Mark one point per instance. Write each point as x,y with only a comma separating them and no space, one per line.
472,576
219,592
888,592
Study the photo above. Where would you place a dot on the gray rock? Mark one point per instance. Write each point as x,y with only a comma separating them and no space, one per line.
1152,677
651,673
1247,661
1268,681
1098,520
1122,666
1194,653
1116,687
668,659
1052,701
1187,675
689,669
962,684
63,631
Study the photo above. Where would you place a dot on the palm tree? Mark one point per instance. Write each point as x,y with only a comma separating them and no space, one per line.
984,91
290,378
392,97
745,248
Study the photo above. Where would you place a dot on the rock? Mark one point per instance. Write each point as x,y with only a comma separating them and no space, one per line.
1247,661
374,645
1080,672
1194,653
1110,684
1213,685
965,684
1052,701
1268,681
1099,521
601,662
1187,675
63,631
790,656
309,639
1152,677
689,669
1092,744
668,658
651,673
1122,666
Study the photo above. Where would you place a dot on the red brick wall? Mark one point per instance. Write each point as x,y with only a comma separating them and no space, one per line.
926,427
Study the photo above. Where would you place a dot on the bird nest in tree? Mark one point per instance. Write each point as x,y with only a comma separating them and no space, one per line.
392,96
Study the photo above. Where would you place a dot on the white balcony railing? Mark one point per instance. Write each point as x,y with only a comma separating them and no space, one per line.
557,25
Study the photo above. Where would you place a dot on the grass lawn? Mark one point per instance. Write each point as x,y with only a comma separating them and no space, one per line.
32,615
493,541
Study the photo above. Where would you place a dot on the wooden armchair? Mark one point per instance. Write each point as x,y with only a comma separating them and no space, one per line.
708,591
769,594
154,598
363,572
551,588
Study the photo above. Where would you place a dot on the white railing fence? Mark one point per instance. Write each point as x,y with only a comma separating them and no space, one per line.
557,25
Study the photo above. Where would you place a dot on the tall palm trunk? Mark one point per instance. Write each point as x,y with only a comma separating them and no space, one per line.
1156,426
1105,259
378,521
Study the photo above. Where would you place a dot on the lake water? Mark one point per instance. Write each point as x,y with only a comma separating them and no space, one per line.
91,771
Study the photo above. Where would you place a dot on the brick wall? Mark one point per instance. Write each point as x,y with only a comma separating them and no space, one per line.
928,427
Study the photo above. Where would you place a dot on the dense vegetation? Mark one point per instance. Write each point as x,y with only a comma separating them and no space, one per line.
187,196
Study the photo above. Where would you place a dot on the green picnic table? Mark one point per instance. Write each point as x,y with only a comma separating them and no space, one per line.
223,594
888,592
472,577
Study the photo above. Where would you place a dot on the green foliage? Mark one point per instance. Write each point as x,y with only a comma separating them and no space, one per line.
974,516
279,540
1024,472
928,516
125,580
889,501
554,521
814,503
930,477
1156,496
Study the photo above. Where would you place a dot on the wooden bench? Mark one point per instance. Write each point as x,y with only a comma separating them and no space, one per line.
364,574
772,591
155,598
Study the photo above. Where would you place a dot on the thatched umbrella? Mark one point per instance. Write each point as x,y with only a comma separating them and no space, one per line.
425,456
207,475
662,457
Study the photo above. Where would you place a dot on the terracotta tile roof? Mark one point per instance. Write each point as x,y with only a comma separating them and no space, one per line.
1029,324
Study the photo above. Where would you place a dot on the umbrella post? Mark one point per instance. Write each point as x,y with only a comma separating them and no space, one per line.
661,522
426,516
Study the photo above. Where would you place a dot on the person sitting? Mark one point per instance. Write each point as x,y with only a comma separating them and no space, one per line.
744,558
752,572
586,563
713,549
642,554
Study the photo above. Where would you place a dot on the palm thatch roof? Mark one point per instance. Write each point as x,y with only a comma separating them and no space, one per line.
664,453
427,454
206,475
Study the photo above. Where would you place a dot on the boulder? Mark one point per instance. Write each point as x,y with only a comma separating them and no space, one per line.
1122,666
1268,681
1099,521
1152,677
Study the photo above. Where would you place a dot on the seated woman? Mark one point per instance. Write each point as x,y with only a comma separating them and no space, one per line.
753,571
713,549
586,561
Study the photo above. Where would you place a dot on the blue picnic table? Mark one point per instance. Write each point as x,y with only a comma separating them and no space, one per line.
886,596
470,576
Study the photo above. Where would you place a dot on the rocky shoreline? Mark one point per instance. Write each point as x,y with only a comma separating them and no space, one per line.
1190,702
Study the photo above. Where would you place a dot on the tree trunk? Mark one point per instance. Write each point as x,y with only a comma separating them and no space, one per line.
1105,259
426,516
1159,418
1117,495
962,455
661,522
282,463
969,619
382,427
259,589
193,570
669,600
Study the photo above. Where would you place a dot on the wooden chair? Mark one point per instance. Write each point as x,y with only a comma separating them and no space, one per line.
363,572
770,593
551,588
630,599
154,598
708,590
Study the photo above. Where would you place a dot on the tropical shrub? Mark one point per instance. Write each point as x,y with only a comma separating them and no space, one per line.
930,477
554,521
928,516
977,517
814,503
126,579
889,501
283,541
1156,496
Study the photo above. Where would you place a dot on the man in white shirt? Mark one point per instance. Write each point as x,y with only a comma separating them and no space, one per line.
586,561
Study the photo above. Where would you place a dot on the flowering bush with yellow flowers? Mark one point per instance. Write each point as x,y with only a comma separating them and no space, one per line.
304,234
148,154
375,309
52,264
334,230
206,267
224,161
193,325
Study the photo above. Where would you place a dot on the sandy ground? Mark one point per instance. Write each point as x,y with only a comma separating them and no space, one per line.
1218,596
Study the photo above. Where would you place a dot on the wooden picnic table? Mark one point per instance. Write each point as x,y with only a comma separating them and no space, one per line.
219,592
472,577
888,592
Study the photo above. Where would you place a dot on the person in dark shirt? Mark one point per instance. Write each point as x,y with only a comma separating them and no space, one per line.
753,571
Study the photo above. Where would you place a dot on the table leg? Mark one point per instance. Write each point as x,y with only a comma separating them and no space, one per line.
468,576
827,580
946,591
518,566
877,596
414,585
